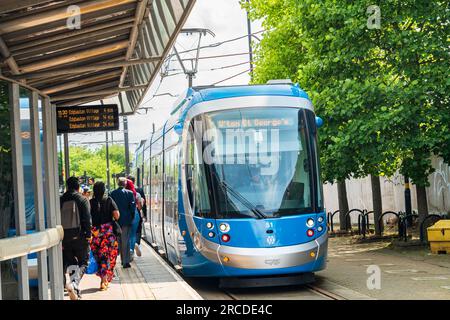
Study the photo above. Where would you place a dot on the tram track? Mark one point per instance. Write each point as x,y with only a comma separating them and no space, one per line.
317,291
210,289
323,292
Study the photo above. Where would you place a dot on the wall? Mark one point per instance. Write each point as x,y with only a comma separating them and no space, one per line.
359,192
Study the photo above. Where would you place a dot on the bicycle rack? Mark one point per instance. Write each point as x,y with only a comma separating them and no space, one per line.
429,217
347,215
397,214
330,220
365,224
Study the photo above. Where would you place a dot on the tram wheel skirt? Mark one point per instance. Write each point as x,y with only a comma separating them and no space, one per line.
267,281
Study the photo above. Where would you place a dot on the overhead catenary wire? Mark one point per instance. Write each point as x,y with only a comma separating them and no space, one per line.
231,77
221,56
228,66
214,45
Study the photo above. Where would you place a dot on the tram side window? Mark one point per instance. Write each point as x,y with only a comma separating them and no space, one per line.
196,180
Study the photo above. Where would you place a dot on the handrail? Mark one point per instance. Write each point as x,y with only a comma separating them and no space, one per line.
20,246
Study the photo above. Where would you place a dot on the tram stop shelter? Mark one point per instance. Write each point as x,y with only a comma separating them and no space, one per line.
63,53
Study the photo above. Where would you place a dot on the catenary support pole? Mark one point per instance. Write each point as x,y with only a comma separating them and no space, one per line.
66,155
127,151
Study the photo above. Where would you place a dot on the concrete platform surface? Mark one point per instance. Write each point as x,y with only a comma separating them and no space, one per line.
149,278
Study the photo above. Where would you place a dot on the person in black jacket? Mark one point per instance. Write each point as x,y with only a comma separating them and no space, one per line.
76,221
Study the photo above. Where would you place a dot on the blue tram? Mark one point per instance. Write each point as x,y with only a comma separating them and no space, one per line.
232,182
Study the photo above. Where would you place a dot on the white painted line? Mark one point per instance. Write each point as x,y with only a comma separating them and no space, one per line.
402,271
177,277
445,287
357,260
381,265
429,278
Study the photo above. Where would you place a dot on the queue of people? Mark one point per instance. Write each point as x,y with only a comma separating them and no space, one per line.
107,225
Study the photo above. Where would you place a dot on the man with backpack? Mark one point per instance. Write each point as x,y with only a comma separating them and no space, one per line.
76,222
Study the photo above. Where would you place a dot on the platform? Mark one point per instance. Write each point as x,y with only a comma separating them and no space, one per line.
149,278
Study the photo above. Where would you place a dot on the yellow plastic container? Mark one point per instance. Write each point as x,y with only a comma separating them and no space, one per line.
439,237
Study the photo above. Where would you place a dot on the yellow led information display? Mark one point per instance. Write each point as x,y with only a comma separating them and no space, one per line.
87,118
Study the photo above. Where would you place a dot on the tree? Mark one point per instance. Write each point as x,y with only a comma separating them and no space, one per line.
116,153
6,190
380,91
93,162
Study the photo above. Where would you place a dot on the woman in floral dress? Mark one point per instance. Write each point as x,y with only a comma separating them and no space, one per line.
104,244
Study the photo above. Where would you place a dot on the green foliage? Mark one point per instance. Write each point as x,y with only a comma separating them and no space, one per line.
94,161
6,196
382,92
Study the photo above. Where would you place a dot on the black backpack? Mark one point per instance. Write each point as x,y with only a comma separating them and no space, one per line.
70,215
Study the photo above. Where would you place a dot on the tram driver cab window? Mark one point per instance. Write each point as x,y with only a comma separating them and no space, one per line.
197,189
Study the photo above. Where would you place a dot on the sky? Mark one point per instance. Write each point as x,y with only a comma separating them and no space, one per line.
226,20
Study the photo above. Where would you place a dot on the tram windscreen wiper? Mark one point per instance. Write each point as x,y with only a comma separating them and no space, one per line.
243,200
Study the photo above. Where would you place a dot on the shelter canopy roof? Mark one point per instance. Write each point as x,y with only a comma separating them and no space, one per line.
115,50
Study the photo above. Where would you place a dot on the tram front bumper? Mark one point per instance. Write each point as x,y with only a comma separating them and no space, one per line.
275,258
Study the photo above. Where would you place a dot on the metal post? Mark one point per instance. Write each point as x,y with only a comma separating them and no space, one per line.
250,52
1,298
66,155
38,193
127,151
108,179
51,197
59,294
19,192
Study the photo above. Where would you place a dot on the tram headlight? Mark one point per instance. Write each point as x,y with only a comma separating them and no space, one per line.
224,227
320,219
211,234
310,232
320,228
209,225
225,238
310,222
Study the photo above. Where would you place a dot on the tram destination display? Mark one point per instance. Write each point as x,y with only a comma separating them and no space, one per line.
74,119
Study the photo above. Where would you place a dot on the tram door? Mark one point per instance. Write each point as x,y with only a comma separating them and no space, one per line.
157,201
171,204
146,186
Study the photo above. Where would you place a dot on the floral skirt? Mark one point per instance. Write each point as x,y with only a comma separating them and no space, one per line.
104,246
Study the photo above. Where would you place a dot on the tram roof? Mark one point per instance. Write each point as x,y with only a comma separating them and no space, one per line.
115,50
208,93
215,93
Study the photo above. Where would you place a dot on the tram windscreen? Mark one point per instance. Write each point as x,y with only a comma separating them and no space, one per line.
258,162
